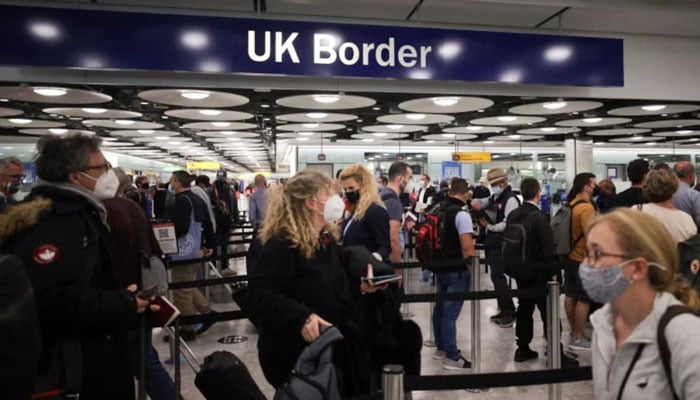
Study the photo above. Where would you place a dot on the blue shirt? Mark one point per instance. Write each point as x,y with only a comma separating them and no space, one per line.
687,200
395,210
258,206
463,221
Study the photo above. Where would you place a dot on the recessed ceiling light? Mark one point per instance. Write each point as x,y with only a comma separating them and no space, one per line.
310,125
316,115
376,108
555,105
145,131
488,142
684,132
592,120
144,103
232,139
368,140
20,121
654,107
650,143
474,128
507,118
221,124
162,137
94,110
124,122
58,131
514,136
379,134
480,111
445,101
637,137
302,139
415,117
395,126
195,94
306,133
326,98
227,133
448,135
50,91
429,141
210,113
548,129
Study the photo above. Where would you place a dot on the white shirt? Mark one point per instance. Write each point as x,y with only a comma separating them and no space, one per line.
679,224
422,203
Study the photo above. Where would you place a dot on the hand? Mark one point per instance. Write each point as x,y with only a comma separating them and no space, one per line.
476,205
142,304
370,287
207,252
483,222
312,327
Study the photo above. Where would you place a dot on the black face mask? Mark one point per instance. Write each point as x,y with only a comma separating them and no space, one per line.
596,192
144,186
352,197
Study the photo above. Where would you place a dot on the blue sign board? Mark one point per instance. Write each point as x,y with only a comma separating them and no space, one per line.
451,169
36,36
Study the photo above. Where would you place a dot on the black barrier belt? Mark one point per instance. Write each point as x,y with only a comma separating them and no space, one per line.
489,294
492,380
435,264
212,317
238,254
207,282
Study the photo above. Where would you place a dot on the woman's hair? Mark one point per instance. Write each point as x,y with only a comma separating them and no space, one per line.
607,186
660,185
288,217
368,188
642,235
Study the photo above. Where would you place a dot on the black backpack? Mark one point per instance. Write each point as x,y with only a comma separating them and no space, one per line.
515,242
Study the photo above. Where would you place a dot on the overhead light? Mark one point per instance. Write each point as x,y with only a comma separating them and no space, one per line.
649,143
637,137
448,135
221,124
20,121
124,122
474,128
489,142
557,54
326,98
4,100
592,120
548,129
368,140
227,133
445,101
684,132
232,139
507,118
555,105
415,117
311,125
58,131
210,113
654,107
302,139
264,105
429,141
379,134
480,111
376,108
195,94
145,131
316,115
306,133
95,110
598,143
175,143
144,103
514,136
395,126
50,91
162,137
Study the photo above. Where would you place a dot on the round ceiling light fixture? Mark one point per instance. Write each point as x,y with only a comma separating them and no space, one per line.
58,131
124,122
20,121
507,118
310,125
445,101
653,107
326,98
316,115
145,131
306,133
221,124
592,120
50,91
395,126
195,94
474,128
554,105
548,129
210,113
415,117
90,110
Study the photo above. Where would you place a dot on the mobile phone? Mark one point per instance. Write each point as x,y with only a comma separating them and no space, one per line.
147,294
382,279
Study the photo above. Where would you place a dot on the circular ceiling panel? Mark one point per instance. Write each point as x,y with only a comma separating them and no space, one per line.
514,138
29,123
679,133
55,131
669,123
193,98
395,128
475,129
307,140
555,107
449,136
121,124
379,136
117,144
219,126
52,95
313,135
233,140
9,112
593,121
227,134
446,104
508,120
547,130
415,118
635,139
93,112
654,109
618,132
143,133
326,101
310,127
316,117
209,114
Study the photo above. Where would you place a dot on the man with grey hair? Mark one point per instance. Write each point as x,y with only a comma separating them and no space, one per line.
10,181
686,198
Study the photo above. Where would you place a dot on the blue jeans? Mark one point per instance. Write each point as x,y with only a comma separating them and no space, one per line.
159,385
445,313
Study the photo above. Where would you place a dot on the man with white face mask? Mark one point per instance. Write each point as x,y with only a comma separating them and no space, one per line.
10,181
62,237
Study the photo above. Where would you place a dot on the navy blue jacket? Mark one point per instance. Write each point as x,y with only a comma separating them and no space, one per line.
372,232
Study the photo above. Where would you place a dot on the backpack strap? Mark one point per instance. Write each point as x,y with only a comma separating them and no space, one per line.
578,239
637,354
664,349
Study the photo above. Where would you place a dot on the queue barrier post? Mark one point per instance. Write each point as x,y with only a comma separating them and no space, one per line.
554,335
475,286
431,340
392,382
175,341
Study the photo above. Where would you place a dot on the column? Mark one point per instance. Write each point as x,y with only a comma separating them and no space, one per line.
579,158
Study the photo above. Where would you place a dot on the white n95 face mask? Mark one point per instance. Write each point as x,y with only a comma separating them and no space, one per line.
333,210
106,185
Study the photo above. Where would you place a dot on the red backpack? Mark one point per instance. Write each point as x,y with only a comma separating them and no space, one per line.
428,235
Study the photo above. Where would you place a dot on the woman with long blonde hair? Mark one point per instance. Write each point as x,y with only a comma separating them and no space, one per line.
368,225
630,265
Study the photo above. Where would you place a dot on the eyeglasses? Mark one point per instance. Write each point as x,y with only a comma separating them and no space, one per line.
17,177
104,167
597,254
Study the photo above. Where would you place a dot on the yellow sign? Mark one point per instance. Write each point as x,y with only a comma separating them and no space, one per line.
472,157
207,165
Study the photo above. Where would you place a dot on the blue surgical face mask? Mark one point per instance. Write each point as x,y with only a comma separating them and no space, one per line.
603,285
496,190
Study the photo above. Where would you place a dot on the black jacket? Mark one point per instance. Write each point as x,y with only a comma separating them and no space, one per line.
179,212
630,197
66,252
451,247
429,192
372,231
540,251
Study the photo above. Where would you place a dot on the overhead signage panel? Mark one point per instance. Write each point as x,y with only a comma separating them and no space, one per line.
203,165
472,157
144,41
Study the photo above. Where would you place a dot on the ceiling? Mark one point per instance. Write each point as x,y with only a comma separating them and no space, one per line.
244,128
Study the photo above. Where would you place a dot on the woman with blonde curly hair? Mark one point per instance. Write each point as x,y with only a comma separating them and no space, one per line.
368,225
630,265
300,284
